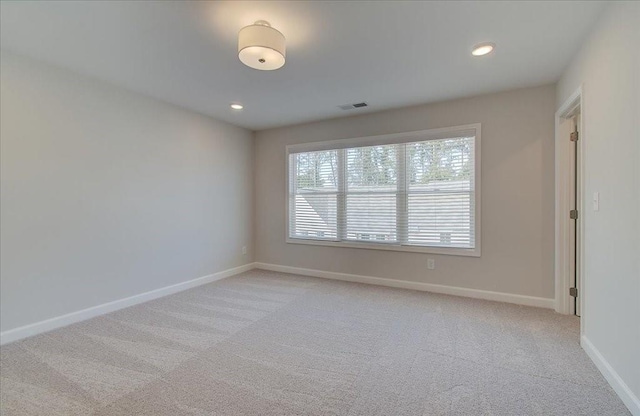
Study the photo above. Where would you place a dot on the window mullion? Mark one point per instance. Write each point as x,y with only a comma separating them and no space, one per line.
401,196
341,198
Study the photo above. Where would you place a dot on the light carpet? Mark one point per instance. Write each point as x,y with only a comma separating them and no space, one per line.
266,343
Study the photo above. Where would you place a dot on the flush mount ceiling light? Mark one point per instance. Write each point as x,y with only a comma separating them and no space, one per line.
236,106
483,49
261,47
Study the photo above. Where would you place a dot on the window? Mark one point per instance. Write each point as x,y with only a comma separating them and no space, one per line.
416,191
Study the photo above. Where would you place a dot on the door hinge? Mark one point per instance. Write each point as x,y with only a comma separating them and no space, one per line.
574,136
573,214
573,292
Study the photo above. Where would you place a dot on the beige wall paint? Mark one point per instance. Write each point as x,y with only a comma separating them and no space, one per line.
608,68
517,195
107,194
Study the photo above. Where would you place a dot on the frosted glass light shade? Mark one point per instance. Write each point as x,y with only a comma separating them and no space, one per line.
261,47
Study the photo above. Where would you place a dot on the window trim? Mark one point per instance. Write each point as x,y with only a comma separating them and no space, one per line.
406,137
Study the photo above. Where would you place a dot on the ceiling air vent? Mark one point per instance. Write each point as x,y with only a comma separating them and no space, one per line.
352,106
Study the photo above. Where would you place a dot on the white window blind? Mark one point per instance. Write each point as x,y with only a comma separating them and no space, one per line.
314,195
440,187
412,193
371,194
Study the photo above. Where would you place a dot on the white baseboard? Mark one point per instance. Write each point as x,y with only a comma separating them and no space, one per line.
405,284
619,386
84,314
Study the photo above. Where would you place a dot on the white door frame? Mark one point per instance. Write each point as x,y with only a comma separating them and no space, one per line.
563,224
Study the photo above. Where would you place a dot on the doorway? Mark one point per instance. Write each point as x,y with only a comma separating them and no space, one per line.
570,286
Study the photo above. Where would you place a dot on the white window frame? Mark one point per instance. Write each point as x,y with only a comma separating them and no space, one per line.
414,136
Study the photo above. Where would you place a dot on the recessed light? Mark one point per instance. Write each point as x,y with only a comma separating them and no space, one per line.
237,106
483,49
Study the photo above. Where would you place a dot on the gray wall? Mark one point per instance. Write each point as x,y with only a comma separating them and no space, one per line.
107,194
608,68
517,195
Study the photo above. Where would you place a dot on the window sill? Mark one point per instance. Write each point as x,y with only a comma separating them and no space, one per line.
467,252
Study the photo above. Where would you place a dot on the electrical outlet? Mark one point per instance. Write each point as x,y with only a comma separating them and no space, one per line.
244,250
431,264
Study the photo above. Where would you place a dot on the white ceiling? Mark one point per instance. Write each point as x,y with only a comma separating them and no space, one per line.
389,54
